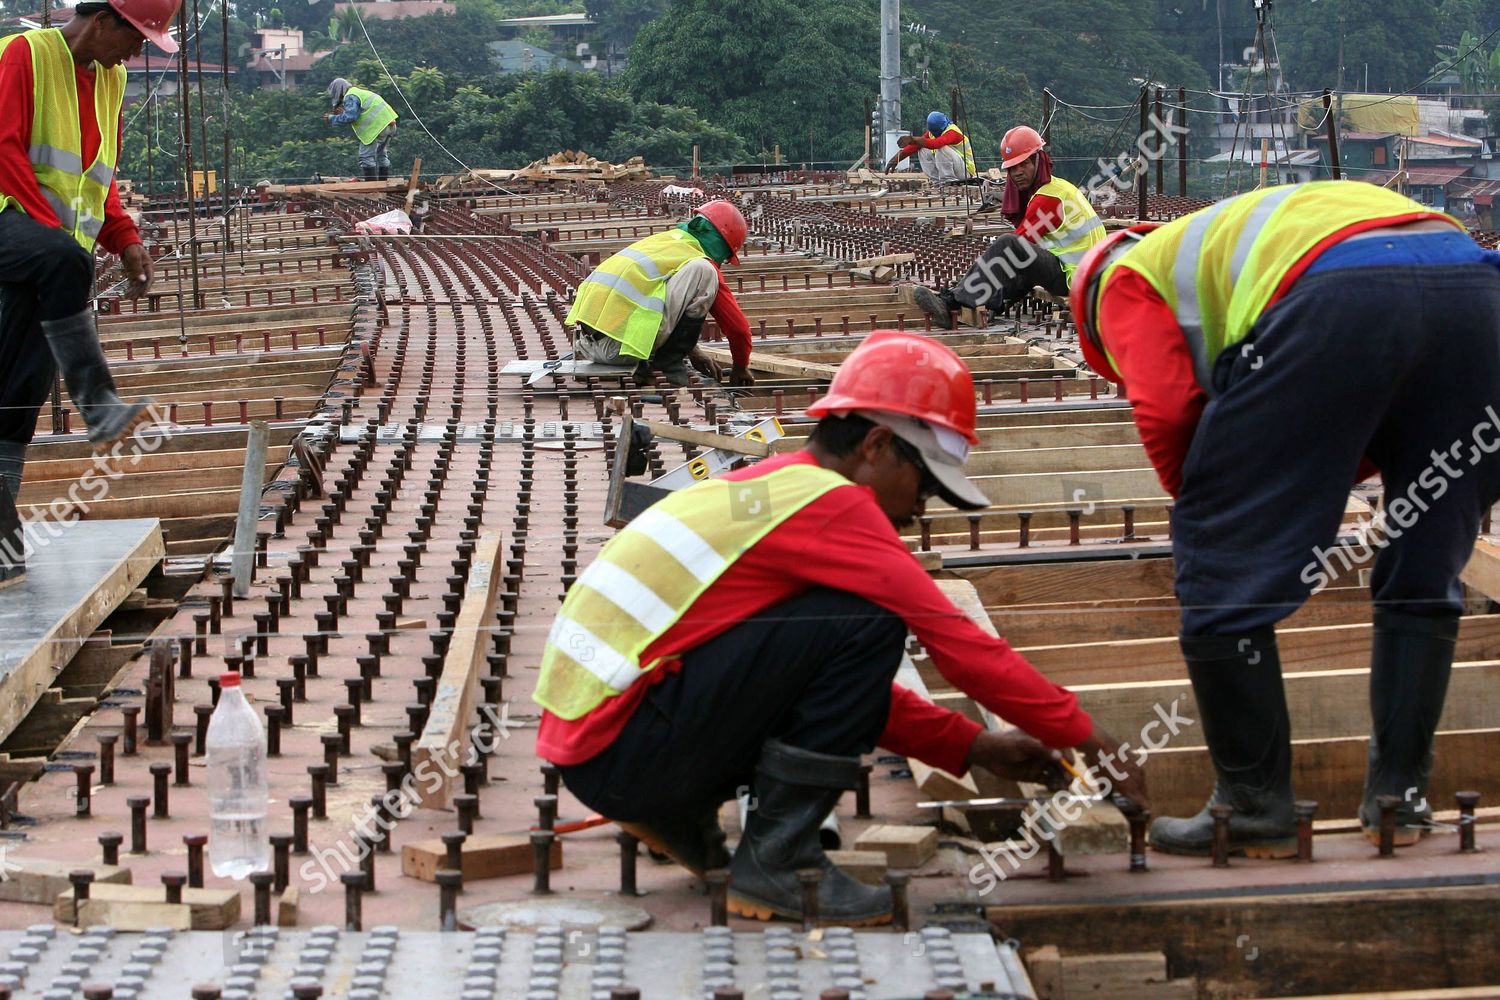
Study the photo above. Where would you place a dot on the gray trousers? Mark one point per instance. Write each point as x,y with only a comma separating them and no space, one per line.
377,153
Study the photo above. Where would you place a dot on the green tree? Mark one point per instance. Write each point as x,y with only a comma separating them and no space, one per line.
1394,39
621,20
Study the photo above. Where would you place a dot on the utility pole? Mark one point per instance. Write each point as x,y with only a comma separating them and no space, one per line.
890,76
1338,110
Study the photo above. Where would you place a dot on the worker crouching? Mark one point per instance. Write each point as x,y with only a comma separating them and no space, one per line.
943,152
742,635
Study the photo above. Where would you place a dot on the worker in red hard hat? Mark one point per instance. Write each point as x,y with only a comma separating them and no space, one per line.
61,91
1276,347
943,152
744,633
1055,226
646,305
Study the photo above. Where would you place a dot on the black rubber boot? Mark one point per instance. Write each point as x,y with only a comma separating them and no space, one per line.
1242,706
695,843
12,545
936,305
12,464
671,357
74,343
794,791
382,173
1411,657
371,173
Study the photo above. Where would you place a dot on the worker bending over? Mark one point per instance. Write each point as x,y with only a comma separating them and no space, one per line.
1055,227
744,633
61,91
943,151
373,122
1277,347
648,302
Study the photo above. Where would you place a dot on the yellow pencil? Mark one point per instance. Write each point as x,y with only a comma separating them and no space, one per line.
1067,765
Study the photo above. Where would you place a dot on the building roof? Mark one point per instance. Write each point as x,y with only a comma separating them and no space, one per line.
270,62
513,56
1283,157
578,20
1437,175
1449,139
1365,136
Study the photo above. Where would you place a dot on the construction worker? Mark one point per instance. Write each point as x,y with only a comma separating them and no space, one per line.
1055,227
744,633
373,122
943,151
648,302
1277,346
61,91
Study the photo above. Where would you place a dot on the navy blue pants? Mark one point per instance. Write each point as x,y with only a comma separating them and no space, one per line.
1398,363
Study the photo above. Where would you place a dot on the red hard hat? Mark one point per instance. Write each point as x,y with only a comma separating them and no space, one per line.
152,18
1019,145
1084,296
905,373
730,224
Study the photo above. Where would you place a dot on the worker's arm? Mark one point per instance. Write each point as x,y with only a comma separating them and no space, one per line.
17,178
1153,358
952,137
732,320
119,230
349,114
910,149
1044,213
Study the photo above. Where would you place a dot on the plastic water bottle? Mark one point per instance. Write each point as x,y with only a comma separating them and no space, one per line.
238,843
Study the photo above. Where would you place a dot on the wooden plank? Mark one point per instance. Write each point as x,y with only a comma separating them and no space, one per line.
445,740
1483,571
211,909
1131,976
614,496
485,855
1285,945
775,365
31,879
708,439
135,915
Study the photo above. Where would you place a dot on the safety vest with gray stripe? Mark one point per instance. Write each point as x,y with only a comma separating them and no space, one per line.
625,298
651,573
76,193
1218,268
374,115
1078,230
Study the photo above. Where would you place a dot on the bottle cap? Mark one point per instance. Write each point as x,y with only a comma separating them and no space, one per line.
229,679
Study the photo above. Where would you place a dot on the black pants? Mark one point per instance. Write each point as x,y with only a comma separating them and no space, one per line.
1007,272
44,275
814,671
1400,364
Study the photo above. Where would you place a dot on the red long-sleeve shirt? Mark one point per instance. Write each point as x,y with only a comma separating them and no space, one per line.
1152,356
951,137
843,541
1044,213
17,178
732,320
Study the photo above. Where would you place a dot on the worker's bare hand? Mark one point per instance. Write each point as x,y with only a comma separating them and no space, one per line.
1116,768
138,270
739,375
891,163
1017,756
905,140
706,366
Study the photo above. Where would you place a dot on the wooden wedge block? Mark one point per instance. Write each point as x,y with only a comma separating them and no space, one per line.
1044,967
286,907
489,855
868,867
135,915
212,909
903,846
42,880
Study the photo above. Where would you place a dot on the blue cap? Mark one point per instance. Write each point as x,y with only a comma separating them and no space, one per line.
937,123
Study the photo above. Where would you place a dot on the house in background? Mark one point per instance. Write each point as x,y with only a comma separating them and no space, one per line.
395,10
280,57
511,56
1283,166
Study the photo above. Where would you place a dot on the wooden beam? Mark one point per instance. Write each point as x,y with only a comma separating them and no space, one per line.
708,439
31,879
211,909
446,739
1483,571
775,365
411,186
486,855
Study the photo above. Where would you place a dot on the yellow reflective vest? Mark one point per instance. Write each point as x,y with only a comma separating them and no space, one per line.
374,115
652,572
1217,269
1076,232
625,298
76,192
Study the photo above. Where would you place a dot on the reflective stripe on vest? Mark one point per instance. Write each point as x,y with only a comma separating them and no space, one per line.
374,115
651,573
1077,231
625,298
1218,268
77,193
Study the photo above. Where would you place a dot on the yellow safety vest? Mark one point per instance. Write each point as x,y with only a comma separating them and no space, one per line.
77,194
964,147
1078,230
651,573
1218,268
625,298
374,115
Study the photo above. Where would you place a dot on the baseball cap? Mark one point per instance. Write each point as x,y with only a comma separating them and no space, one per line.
943,452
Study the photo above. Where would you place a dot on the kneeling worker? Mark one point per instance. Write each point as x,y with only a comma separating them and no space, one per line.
1278,346
648,302
1055,227
943,151
745,631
